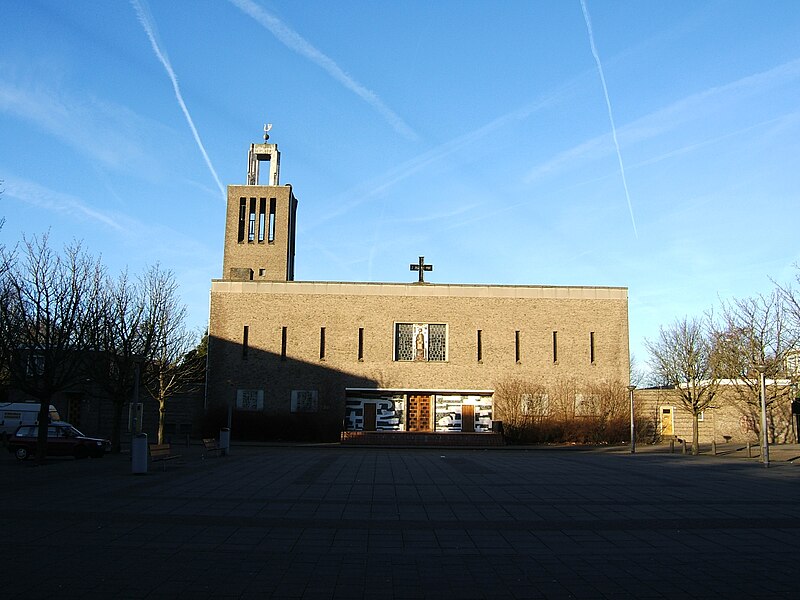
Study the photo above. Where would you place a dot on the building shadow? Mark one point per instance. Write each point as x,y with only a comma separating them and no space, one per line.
268,396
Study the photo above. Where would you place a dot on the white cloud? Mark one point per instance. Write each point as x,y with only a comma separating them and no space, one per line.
105,132
148,238
42,197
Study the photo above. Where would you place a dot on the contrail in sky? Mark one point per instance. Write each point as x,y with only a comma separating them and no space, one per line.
610,114
294,41
146,22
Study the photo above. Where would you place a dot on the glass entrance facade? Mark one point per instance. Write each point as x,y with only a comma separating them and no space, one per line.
392,411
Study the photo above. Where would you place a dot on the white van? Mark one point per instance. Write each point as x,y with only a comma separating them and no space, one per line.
14,414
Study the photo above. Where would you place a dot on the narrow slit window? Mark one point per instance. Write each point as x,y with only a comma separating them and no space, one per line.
262,219
242,217
591,347
516,346
360,343
322,343
480,346
245,341
251,227
271,232
555,346
283,343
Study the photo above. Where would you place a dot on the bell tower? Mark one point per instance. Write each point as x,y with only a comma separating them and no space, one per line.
260,222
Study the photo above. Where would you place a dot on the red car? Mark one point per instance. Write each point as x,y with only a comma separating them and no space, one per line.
62,440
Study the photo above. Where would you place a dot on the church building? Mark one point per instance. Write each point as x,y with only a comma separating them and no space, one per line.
412,356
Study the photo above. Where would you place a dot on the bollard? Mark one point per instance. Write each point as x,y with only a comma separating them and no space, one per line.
225,441
672,446
713,447
139,454
748,451
683,446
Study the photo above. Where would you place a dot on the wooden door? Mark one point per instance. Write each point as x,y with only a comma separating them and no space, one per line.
419,413
468,418
667,423
74,409
370,416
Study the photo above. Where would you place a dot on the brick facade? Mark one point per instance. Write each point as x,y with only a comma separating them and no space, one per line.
731,419
261,248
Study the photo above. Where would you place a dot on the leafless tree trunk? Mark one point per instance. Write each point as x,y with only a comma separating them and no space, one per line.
752,332
172,368
124,340
681,358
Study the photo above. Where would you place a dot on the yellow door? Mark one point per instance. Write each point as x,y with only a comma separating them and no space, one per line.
667,423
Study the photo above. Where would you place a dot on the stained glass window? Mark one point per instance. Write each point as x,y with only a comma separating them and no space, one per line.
421,341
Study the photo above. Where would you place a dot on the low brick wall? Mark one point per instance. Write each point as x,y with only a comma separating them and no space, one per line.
421,438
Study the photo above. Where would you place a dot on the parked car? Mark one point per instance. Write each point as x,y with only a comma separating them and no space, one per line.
62,440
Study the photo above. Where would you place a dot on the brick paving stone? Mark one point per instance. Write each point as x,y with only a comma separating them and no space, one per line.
338,523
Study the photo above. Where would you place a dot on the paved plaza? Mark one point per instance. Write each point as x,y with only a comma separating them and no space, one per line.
336,522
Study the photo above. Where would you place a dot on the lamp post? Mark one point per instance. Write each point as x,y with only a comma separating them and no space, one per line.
762,392
633,427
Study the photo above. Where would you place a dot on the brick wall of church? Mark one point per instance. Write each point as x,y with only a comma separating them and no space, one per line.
342,309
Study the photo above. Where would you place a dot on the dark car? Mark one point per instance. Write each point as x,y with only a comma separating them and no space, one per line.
62,440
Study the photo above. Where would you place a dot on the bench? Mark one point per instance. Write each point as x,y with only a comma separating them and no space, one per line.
211,445
177,432
162,452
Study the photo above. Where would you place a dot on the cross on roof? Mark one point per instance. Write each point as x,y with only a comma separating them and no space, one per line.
421,267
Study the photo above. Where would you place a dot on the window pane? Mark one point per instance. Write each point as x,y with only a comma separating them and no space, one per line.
437,342
404,344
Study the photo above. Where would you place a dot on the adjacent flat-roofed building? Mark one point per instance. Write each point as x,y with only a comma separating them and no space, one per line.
415,356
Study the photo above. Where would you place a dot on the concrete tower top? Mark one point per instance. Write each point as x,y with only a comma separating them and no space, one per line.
260,153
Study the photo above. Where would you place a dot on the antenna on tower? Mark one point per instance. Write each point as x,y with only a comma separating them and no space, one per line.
267,127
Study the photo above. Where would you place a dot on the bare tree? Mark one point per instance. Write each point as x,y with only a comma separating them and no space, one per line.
6,261
562,394
681,357
47,319
171,368
517,401
637,374
124,340
791,306
752,332
606,399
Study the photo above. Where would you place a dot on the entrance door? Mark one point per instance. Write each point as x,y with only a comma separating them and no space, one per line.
370,416
468,418
419,413
74,408
667,423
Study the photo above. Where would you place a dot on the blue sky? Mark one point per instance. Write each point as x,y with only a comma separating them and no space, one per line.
477,134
